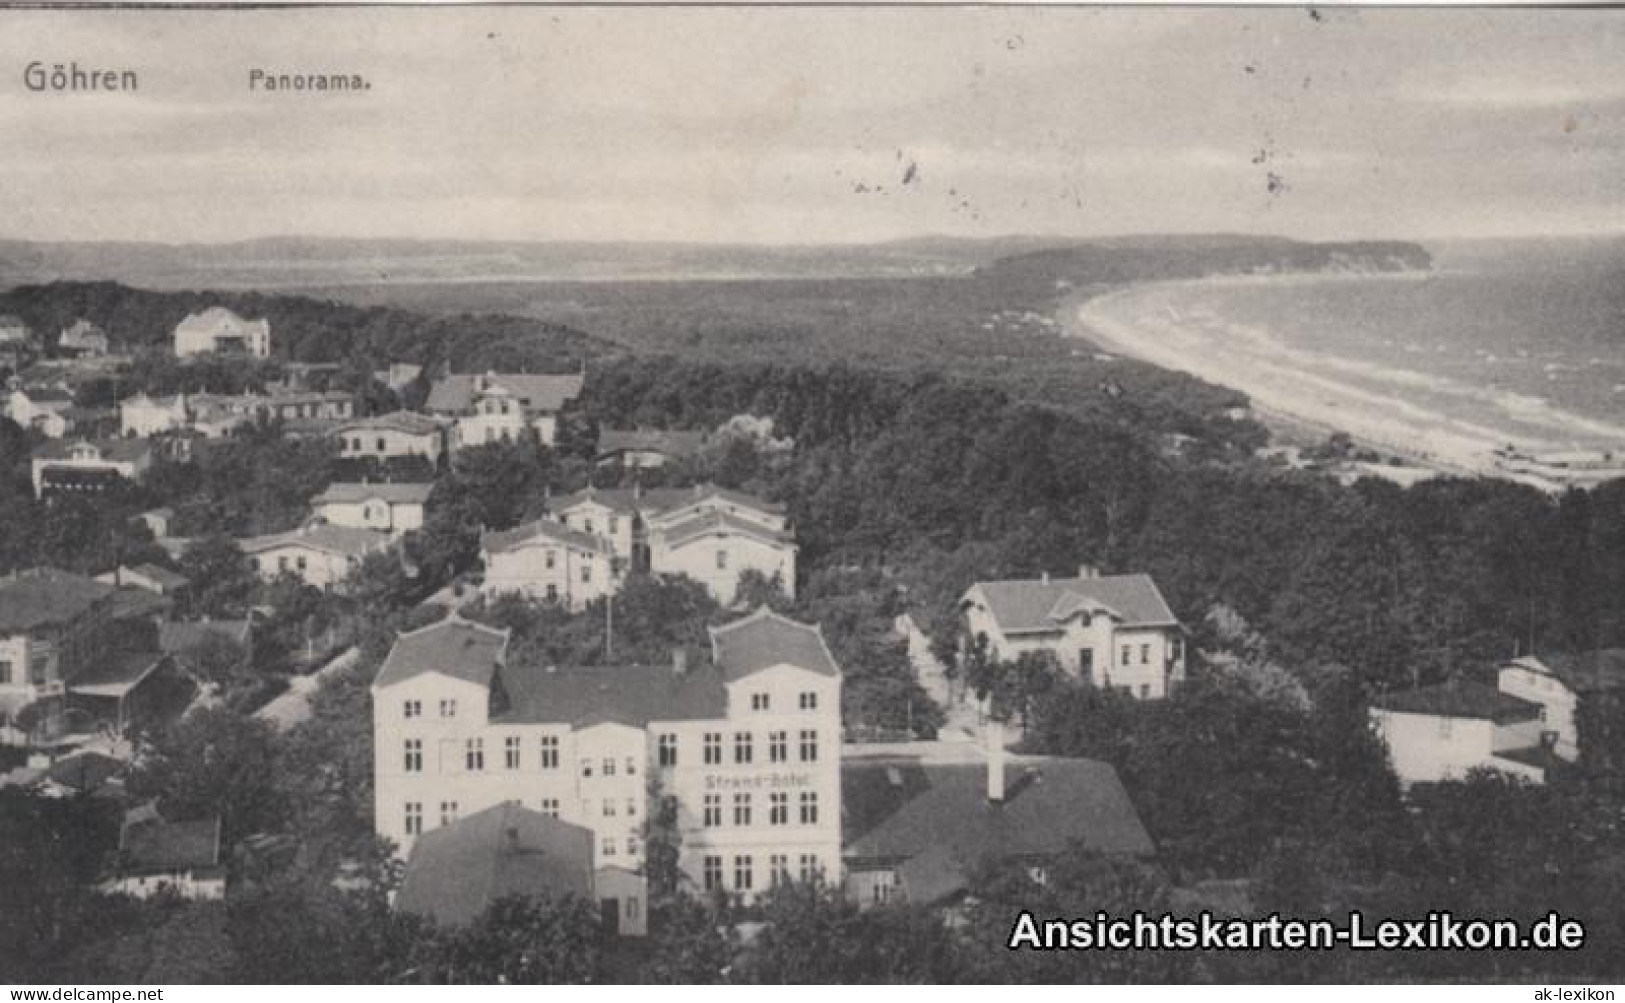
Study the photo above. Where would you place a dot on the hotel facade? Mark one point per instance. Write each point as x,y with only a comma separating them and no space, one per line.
747,749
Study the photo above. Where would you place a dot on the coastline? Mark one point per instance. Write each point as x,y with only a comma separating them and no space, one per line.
1292,388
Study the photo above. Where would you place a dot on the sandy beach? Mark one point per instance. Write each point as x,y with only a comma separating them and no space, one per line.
1397,409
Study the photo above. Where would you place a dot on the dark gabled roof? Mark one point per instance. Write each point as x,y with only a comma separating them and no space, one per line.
455,647
1036,604
409,422
346,541
111,449
634,695
46,596
128,602
660,501
117,674
1458,698
159,847
670,443
765,639
722,523
163,576
545,529
175,638
902,810
1586,672
535,391
458,871
394,494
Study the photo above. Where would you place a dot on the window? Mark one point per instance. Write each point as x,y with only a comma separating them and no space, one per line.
510,752
1145,654
614,524
548,560
552,592
809,867
550,752
1177,649
760,701
474,754
1086,664
414,755
414,817
1127,653
742,747
448,708
631,766
778,746
282,562
632,849
722,560
809,700
380,445
586,524
609,766
609,807
778,869
448,812
778,810
809,807
586,573
300,561
631,807
713,748
550,807
668,750
741,808
586,766
713,811
5,672
809,746
412,708
712,871
742,873
607,845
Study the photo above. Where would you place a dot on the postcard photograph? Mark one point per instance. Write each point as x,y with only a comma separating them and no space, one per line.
837,494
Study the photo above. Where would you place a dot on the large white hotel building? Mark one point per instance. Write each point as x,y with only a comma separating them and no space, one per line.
748,746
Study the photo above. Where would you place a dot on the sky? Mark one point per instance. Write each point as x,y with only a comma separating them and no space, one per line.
829,125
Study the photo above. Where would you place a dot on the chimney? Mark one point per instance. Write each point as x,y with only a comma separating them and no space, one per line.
995,762
1088,571
679,661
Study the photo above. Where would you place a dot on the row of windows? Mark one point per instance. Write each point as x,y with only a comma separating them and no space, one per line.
744,746
778,809
778,749
414,816
607,845
513,757
764,701
744,871
758,701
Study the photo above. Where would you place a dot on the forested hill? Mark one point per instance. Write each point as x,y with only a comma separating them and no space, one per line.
1144,259
304,329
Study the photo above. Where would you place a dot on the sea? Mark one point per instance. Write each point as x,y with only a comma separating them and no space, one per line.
1500,344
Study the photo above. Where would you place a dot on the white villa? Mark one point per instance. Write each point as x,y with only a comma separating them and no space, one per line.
321,555
220,330
503,407
548,560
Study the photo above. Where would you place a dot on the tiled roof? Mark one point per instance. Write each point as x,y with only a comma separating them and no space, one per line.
765,639
710,523
395,494
218,320
902,810
1458,698
457,871
346,541
670,443
545,529
159,847
662,501
46,596
702,494
633,695
409,422
128,602
455,647
1586,672
111,449
536,391
1034,604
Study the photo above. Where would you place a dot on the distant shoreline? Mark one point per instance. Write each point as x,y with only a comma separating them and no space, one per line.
1283,398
